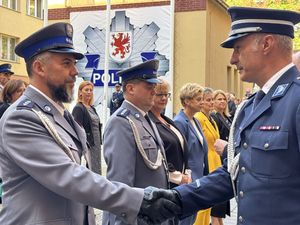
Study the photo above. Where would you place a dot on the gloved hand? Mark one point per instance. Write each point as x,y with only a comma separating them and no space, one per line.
159,205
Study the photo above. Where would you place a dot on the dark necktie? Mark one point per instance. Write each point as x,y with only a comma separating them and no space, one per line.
148,120
151,124
68,117
258,97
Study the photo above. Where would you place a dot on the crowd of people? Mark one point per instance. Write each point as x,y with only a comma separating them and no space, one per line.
160,170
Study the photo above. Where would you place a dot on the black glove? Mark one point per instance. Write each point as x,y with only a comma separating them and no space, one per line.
159,205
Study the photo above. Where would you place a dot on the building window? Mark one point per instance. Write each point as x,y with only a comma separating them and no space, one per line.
35,8
12,4
7,46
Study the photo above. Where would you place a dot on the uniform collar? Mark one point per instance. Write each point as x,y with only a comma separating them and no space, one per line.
268,85
56,105
141,111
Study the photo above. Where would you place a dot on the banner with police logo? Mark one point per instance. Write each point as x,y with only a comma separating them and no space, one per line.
136,35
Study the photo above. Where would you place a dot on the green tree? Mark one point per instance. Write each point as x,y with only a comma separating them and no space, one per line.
274,4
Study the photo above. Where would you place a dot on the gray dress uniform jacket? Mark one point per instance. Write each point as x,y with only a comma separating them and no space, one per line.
124,161
41,185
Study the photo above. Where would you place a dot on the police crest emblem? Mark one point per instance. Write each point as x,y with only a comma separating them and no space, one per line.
69,30
120,46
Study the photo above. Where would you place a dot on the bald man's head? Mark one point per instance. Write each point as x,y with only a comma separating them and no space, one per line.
296,59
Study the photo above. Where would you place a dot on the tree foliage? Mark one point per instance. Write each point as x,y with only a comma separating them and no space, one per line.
273,4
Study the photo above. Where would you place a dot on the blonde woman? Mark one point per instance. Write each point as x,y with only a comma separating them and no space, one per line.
221,114
211,133
191,97
85,114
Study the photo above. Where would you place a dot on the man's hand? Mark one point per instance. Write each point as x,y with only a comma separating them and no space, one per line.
159,205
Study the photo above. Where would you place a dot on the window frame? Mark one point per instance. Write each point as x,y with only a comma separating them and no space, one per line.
9,2
10,48
37,13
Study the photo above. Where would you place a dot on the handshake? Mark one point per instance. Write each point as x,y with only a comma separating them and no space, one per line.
158,205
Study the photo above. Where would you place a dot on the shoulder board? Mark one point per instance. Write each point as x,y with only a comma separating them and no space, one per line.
297,80
25,104
124,113
281,90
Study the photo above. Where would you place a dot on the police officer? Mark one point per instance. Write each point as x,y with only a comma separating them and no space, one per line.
133,149
264,149
117,99
5,74
41,146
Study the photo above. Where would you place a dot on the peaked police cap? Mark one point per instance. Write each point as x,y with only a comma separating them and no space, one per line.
6,68
146,71
57,37
260,20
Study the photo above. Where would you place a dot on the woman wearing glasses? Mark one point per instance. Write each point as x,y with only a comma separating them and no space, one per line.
174,142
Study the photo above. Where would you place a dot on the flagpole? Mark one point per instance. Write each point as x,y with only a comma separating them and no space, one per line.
171,67
106,64
45,13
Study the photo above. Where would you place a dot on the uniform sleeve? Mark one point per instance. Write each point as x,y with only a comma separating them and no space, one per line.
298,127
120,151
205,192
45,162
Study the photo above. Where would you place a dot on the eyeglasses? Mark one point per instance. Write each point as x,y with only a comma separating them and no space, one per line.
168,95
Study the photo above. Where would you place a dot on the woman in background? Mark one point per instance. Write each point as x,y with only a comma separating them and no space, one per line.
191,97
221,114
12,90
211,133
85,114
174,142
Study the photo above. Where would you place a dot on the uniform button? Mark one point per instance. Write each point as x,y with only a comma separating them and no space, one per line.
245,145
241,219
241,194
266,145
123,215
243,169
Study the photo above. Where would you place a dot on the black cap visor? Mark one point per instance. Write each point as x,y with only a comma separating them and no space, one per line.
229,42
76,54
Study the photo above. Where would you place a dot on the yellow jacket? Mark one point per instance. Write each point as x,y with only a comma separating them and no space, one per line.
211,133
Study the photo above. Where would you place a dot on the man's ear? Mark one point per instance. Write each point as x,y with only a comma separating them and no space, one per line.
38,68
130,88
268,44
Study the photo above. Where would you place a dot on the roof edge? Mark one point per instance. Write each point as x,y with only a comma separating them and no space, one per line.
223,4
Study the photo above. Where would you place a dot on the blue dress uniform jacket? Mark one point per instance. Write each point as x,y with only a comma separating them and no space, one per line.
41,184
268,140
124,161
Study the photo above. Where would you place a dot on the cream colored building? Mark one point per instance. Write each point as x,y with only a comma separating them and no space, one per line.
18,19
200,27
